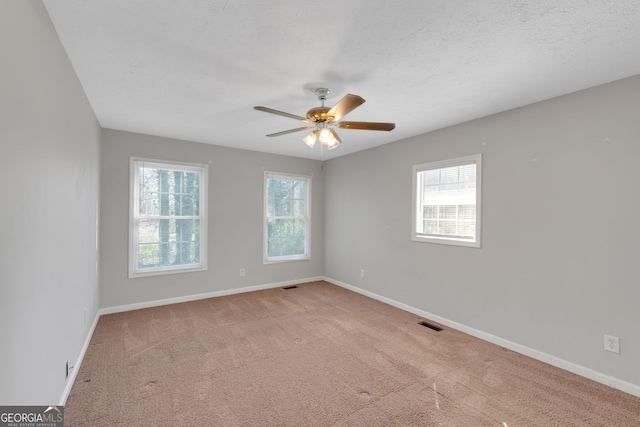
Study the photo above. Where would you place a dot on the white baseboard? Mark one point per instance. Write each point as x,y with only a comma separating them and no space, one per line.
74,372
187,298
610,381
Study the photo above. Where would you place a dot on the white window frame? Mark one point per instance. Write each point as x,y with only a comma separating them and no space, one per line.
134,216
416,196
307,255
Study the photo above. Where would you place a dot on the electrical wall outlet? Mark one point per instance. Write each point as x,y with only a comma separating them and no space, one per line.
362,273
243,272
612,343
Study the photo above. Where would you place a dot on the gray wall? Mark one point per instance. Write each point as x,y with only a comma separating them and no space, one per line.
49,170
235,219
558,267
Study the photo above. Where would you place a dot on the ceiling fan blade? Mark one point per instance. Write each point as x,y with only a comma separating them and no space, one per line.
280,113
347,104
367,125
284,132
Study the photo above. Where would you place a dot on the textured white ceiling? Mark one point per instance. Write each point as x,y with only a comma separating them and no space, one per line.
193,69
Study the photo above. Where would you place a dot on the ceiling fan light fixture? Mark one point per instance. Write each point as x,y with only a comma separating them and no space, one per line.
334,139
325,136
311,139
333,144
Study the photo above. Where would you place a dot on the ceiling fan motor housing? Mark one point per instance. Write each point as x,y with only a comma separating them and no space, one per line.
319,114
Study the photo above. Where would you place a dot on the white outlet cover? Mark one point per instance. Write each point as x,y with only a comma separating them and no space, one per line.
612,343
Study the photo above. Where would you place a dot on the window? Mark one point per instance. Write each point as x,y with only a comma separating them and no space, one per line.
446,202
286,219
168,220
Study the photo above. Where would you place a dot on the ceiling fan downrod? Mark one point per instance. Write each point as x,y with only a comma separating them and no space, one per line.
322,93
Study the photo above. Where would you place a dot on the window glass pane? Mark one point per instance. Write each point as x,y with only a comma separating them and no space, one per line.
148,179
148,255
299,245
281,244
448,228
287,227
469,185
285,207
467,229
288,246
431,227
271,206
187,230
177,182
148,231
448,212
191,196
431,177
174,204
430,212
299,227
298,190
272,248
298,208
468,173
431,189
282,198
466,212
179,201
449,187
270,189
273,229
148,203
449,175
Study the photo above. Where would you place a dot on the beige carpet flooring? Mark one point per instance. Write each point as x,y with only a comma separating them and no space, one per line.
319,355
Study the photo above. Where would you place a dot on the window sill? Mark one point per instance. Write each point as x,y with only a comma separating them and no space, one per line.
162,272
446,241
285,259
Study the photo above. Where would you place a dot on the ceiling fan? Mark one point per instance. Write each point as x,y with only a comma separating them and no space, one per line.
322,119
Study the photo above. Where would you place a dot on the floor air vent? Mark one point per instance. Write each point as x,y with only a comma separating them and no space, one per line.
290,287
430,326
